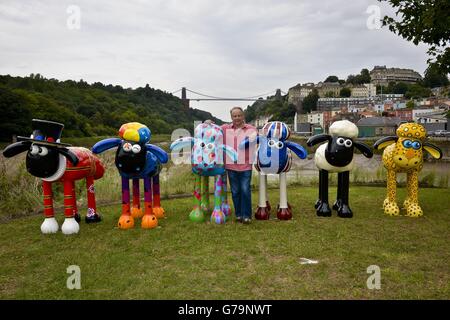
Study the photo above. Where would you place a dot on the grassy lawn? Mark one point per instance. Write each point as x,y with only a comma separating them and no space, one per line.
184,260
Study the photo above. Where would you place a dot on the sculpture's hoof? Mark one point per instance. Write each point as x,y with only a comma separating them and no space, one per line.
337,205
226,209
414,210
407,203
318,204
50,225
70,226
149,221
159,212
284,214
345,211
137,212
93,218
391,208
126,222
218,217
262,213
197,215
324,210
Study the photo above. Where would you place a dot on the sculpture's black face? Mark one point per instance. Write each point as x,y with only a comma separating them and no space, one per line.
42,161
339,152
130,157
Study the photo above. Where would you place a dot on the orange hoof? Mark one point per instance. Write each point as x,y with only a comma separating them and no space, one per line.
158,212
149,221
136,212
125,222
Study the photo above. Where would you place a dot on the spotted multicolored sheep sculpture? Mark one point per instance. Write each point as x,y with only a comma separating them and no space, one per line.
404,153
207,159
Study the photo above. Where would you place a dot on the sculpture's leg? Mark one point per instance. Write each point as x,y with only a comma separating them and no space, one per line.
322,207
267,198
390,203
149,221
70,225
50,225
283,212
413,209
126,220
197,214
204,191
76,214
136,211
92,214
158,211
217,215
344,210
226,209
262,212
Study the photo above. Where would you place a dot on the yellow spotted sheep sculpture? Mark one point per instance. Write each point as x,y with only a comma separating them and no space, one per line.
404,153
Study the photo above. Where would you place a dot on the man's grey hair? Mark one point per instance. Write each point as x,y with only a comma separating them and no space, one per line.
236,108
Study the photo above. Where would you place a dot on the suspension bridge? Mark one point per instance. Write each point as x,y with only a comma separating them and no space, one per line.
206,97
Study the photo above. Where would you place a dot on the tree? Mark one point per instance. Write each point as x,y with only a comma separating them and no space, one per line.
410,104
425,21
345,93
433,77
400,88
362,77
416,91
310,101
332,79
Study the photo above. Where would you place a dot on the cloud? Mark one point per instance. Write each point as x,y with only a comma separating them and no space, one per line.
222,48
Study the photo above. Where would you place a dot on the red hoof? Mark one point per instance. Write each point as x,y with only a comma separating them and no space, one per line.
262,213
284,214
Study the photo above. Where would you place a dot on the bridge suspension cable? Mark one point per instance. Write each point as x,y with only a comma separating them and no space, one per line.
223,98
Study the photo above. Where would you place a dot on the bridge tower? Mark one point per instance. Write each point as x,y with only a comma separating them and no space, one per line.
184,100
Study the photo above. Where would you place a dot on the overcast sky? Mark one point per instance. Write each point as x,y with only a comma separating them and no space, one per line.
222,48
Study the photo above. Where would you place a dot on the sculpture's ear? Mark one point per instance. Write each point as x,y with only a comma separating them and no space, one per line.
182,143
245,144
318,139
106,144
158,152
435,151
297,149
230,152
16,148
72,157
364,148
384,142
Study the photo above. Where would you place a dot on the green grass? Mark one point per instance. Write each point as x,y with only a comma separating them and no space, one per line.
185,260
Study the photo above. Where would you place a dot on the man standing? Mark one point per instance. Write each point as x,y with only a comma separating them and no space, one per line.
240,173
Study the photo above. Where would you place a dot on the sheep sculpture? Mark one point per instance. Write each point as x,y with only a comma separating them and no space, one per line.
336,155
404,153
207,159
52,161
274,157
137,159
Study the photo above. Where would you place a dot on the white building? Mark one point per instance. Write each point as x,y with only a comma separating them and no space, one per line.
261,121
316,118
363,90
418,113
